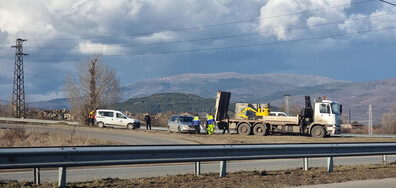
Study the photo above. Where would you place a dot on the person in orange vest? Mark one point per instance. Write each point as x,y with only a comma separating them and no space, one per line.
91,118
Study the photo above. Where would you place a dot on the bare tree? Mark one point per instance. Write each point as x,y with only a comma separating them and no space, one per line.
388,124
95,86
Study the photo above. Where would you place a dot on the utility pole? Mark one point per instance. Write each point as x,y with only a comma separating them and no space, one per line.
18,91
349,114
287,98
370,123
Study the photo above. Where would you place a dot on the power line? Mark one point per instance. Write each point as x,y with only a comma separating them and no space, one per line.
206,26
238,46
229,36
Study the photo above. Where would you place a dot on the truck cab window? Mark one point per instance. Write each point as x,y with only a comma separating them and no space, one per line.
324,108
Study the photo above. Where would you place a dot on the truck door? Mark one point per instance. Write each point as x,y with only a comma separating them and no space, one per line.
326,117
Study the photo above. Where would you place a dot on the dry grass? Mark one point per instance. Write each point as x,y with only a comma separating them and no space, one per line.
281,178
21,138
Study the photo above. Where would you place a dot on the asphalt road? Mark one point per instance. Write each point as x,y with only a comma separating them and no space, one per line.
125,136
136,171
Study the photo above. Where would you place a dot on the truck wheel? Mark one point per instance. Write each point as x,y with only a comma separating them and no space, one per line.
260,129
244,128
101,125
130,126
318,132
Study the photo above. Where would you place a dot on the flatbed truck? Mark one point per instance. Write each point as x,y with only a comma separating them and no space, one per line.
322,120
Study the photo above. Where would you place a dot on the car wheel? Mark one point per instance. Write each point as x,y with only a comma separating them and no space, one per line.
318,132
130,126
101,125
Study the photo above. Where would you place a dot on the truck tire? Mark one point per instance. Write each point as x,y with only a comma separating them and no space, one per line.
101,125
260,129
130,126
318,132
244,128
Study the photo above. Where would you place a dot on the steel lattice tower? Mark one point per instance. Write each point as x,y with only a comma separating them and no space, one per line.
287,98
18,92
370,122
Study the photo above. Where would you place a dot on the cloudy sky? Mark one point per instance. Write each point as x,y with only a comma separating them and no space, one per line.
352,40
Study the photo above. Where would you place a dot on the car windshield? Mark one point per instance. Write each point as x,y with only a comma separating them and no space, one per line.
335,108
186,118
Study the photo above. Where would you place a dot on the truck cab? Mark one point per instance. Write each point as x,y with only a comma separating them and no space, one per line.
328,114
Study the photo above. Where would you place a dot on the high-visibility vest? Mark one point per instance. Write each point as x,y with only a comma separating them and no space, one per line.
91,114
196,118
210,120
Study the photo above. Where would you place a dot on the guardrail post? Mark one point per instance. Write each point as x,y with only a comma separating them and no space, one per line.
384,159
62,177
330,164
197,168
36,172
223,169
305,164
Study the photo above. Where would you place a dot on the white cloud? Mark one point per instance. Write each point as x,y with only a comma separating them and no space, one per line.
90,48
158,37
273,23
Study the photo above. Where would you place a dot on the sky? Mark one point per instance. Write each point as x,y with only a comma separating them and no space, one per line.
353,40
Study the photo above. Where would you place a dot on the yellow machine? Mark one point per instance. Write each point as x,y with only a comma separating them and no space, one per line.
259,112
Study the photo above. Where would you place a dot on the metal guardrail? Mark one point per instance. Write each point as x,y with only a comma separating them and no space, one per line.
64,157
36,121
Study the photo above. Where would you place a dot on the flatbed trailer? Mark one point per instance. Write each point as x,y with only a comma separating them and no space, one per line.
302,124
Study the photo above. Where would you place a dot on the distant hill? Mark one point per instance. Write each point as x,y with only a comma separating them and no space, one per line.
4,102
168,102
256,88
61,103
245,87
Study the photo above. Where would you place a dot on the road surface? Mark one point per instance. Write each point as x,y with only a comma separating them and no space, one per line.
136,171
125,136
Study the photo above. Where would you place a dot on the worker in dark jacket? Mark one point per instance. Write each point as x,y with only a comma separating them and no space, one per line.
148,121
197,124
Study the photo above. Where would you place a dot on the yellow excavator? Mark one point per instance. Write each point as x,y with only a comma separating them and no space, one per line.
259,112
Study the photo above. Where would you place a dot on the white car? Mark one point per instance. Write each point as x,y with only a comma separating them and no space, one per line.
278,114
113,118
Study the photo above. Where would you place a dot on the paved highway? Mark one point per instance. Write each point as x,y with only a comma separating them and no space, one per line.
125,136
136,171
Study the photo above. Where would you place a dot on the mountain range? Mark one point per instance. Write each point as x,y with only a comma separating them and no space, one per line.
267,88
264,88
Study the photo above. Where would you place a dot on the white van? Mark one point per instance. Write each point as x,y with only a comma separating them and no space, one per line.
116,119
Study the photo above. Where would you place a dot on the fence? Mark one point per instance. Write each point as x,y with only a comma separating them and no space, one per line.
63,157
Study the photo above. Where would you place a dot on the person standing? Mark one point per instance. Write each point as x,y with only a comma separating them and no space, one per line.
196,124
210,123
91,118
227,125
148,121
